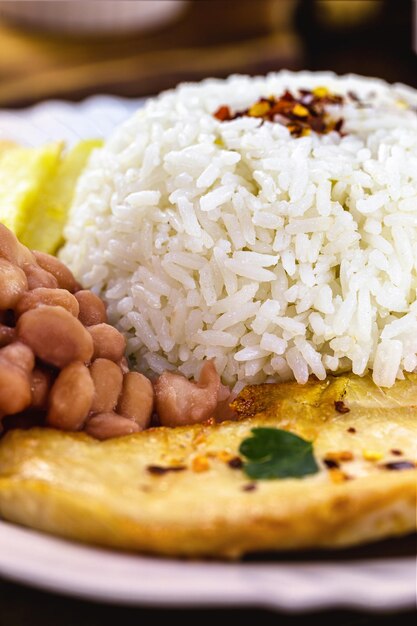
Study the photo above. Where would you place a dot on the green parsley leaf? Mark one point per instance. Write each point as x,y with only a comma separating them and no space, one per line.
275,453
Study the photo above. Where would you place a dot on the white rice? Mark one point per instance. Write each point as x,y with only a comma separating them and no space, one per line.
279,257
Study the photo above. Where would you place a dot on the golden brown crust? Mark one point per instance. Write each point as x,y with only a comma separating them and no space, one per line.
110,493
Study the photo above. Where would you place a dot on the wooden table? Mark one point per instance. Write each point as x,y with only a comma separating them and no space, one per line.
211,38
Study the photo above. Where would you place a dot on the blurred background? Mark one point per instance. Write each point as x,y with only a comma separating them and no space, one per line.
73,48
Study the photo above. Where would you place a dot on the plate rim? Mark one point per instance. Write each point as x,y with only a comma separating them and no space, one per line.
346,585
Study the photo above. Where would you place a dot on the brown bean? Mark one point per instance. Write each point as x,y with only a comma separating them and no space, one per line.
12,250
108,342
180,402
50,297
9,244
25,256
55,335
19,354
61,272
41,383
16,362
137,399
7,335
13,283
109,425
92,308
15,393
71,397
107,378
38,277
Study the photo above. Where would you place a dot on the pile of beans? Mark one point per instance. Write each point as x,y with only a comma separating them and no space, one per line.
59,359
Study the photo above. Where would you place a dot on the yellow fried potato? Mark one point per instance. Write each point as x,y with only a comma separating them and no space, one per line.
23,174
48,215
36,190
180,491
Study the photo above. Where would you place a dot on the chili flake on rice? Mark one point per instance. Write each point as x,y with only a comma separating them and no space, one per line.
300,114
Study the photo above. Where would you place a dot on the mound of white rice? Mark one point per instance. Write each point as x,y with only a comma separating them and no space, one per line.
278,256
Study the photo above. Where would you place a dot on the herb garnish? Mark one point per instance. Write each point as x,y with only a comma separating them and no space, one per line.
275,453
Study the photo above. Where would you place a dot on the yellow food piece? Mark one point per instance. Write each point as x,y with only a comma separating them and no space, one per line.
43,231
104,492
320,92
372,455
23,174
36,190
200,464
300,111
259,109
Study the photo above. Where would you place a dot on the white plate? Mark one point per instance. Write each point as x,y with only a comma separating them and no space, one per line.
109,576
55,120
42,561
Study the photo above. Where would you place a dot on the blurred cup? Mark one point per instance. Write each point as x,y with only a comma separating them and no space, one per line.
93,17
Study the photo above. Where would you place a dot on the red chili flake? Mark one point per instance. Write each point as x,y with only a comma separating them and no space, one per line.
287,95
280,107
300,114
249,487
318,125
158,470
341,407
351,430
396,452
223,114
338,125
235,463
399,465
